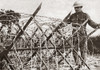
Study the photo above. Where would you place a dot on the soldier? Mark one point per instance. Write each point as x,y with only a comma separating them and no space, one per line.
79,39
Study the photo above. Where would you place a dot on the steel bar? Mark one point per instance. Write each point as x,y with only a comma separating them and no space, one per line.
51,34
92,32
78,54
53,44
21,32
73,48
9,62
37,48
65,59
43,61
5,52
46,37
55,29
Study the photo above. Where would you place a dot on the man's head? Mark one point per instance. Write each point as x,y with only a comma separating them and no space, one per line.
78,6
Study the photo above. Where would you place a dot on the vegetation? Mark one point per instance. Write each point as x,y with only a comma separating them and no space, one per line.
94,45
8,18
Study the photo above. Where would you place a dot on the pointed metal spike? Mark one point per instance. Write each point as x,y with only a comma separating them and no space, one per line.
5,52
36,11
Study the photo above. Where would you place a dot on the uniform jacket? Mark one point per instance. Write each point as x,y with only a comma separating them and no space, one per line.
79,18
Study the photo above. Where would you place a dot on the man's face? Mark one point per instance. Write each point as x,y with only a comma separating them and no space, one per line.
78,9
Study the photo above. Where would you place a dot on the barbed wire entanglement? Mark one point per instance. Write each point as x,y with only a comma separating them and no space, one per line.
34,49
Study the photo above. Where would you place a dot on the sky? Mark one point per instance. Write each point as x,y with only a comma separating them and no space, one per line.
53,8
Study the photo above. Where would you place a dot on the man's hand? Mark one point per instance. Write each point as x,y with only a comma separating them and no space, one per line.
98,26
76,24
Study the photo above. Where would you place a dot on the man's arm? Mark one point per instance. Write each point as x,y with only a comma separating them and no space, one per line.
69,21
91,22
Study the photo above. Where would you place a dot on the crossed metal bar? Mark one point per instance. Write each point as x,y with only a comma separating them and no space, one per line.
54,46
67,41
20,33
50,48
50,37
52,33
3,55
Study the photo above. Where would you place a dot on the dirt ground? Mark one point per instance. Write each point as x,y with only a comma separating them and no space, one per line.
94,62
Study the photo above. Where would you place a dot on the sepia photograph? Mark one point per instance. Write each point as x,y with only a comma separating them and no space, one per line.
49,35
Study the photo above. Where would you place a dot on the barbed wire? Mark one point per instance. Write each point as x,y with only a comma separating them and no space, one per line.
29,15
